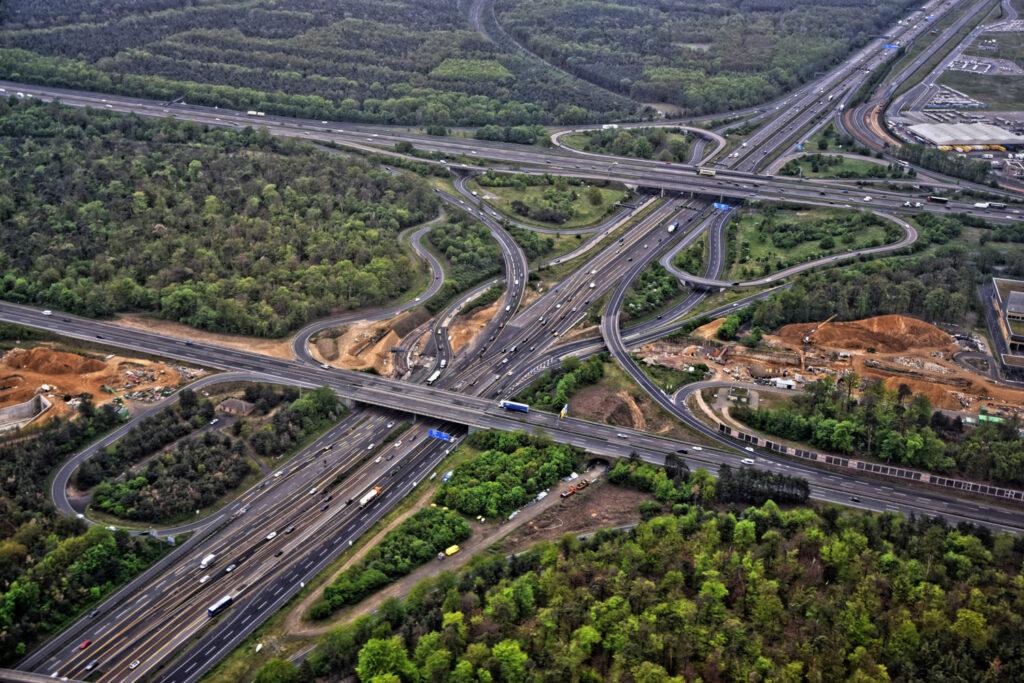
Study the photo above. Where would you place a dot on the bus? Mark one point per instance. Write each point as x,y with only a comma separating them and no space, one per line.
433,377
219,606
939,200
710,172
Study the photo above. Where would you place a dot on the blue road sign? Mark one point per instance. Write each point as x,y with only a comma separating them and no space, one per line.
435,434
722,207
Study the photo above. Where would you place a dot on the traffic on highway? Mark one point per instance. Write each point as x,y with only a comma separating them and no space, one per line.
243,562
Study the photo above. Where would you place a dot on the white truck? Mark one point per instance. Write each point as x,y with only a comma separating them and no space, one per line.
369,495
207,561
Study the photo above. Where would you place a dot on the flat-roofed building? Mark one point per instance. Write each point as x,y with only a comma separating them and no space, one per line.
965,134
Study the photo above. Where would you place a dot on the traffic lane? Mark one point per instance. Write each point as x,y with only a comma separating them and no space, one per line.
453,407
300,343
224,640
238,537
149,578
648,173
562,312
249,552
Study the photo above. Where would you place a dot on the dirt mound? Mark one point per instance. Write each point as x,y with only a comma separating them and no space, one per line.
327,347
360,346
49,362
614,408
465,328
884,334
709,330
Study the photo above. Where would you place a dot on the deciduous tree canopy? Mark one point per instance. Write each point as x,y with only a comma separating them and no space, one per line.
232,231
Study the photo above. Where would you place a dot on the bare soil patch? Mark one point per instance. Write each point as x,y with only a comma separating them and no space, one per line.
884,334
465,328
626,407
360,346
708,330
278,348
63,376
601,506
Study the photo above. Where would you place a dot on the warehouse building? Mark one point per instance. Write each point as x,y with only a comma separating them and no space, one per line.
965,135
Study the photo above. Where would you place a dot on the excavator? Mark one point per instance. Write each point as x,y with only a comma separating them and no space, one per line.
809,337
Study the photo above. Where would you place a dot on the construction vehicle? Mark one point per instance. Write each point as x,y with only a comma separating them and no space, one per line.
809,337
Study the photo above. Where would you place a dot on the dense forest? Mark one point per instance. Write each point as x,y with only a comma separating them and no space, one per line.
553,388
892,425
703,57
937,286
663,144
651,291
512,468
413,542
231,231
196,473
976,170
150,436
473,256
705,595
52,567
404,61
141,480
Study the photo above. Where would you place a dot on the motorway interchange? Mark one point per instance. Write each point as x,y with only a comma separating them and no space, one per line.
282,532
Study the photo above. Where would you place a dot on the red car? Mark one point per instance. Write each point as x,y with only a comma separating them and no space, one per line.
85,644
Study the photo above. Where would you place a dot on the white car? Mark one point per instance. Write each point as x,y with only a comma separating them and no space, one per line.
867,198
747,461
325,366
748,448
696,448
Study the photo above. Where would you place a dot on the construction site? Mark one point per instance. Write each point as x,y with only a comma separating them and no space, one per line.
65,379
893,348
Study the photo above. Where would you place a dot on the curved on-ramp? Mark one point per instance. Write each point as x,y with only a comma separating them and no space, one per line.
300,342
910,236
62,479
719,141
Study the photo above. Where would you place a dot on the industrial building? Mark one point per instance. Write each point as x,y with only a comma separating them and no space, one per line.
965,135
1005,300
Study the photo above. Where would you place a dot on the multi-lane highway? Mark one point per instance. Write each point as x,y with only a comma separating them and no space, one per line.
283,531
725,183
